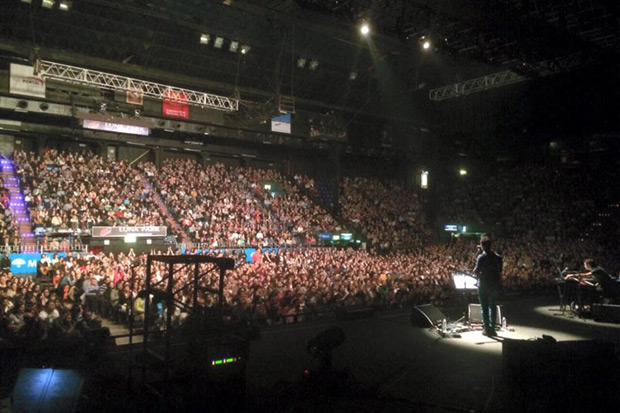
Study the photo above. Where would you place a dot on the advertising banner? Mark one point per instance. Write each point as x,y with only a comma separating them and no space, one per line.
115,127
135,97
175,105
122,232
281,123
24,82
249,252
26,263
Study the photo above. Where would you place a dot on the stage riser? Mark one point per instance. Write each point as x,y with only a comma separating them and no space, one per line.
606,313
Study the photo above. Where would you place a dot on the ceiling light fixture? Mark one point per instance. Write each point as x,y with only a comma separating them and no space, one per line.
365,29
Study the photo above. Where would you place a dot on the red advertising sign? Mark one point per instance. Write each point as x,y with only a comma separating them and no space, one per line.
175,104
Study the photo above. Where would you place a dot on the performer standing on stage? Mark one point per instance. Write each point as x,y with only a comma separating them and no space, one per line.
489,272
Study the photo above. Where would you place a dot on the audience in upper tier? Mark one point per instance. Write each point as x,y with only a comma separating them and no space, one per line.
74,191
9,232
221,206
389,215
458,203
530,201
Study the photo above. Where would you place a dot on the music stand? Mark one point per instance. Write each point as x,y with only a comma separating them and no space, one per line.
560,282
466,284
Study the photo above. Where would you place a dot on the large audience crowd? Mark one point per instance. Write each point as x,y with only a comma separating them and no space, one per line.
9,232
458,203
75,191
221,207
530,201
389,214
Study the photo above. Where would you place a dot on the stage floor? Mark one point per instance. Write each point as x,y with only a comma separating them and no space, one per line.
386,364
389,363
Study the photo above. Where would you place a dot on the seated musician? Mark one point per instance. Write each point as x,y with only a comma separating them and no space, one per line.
596,282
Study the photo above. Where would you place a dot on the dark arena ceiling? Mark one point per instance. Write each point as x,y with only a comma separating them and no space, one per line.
312,50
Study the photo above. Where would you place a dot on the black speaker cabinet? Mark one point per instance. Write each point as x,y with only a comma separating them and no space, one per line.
426,315
542,360
546,375
474,314
606,312
326,341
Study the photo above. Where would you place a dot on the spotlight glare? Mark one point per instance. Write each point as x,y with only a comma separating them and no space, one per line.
204,38
245,48
365,29
48,4
426,45
234,46
219,42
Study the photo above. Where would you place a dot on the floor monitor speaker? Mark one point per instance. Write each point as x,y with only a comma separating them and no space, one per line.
426,315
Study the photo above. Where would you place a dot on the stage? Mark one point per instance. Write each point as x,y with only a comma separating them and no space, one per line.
386,364
390,363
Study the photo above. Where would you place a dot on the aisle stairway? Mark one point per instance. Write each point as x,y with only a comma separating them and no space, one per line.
174,226
17,203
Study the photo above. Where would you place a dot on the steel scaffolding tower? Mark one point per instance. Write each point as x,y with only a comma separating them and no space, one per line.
184,273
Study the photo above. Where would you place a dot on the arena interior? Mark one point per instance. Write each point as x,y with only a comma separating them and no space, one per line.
279,205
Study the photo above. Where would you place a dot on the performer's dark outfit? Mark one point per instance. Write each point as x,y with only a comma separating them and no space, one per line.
607,286
489,271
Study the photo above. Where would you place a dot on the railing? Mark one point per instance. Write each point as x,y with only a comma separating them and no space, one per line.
39,249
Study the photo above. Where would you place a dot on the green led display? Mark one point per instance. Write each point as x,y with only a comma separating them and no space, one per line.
225,361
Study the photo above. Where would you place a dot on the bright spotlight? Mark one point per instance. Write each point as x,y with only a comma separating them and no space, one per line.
463,172
426,45
365,29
